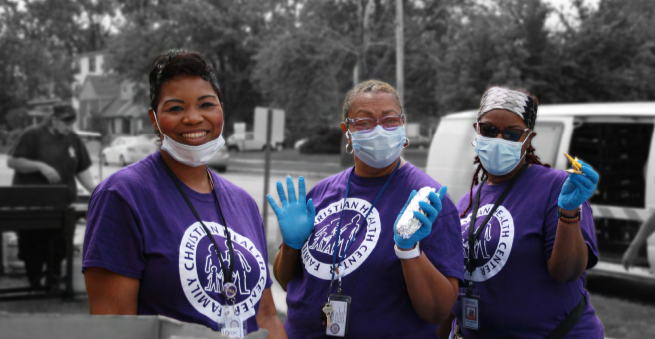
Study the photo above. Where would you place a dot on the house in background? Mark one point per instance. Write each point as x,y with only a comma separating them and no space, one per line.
85,64
105,103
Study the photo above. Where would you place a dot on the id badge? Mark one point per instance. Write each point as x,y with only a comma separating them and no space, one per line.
470,308
338,324
470,313
232,326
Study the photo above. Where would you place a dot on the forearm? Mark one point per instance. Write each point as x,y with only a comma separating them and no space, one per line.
86,179
432,294
24,165
570,254
267,317
285,264
646,229
274,326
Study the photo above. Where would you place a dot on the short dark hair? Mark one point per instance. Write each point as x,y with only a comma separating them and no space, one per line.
175,63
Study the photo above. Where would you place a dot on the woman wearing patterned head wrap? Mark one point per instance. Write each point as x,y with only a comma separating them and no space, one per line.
533,235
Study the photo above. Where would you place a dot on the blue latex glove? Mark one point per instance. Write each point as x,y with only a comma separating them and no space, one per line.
432,210
578,188
296,217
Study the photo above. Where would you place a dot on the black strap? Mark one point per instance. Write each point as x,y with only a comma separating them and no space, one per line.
227,272
470,263
569,322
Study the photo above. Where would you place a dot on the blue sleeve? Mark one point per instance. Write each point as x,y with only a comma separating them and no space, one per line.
113,238
586,224
443,246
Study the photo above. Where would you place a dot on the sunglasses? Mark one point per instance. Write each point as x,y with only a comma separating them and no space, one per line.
389,123
490,131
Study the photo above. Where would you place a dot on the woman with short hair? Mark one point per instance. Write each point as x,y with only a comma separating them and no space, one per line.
533,240
169,236
346,267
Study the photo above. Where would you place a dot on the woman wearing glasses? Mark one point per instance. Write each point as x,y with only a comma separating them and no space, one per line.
347,272
533,239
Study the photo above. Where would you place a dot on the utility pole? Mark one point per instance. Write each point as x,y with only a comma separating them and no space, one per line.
400,51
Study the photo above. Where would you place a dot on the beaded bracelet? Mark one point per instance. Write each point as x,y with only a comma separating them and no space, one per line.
566,219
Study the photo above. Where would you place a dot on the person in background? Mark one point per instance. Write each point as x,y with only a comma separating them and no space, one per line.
528,234
166,235
340,241
50,153
645,231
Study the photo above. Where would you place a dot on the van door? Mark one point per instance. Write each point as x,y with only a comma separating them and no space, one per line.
618,148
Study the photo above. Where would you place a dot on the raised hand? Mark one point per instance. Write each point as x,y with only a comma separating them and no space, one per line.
296,217
578,188
432,210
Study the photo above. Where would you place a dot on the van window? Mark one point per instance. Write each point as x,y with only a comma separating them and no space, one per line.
618,151
547,141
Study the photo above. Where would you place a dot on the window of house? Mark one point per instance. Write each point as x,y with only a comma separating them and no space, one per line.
92,64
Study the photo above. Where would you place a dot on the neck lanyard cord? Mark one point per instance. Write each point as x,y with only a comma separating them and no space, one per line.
227,272
335,264
472,236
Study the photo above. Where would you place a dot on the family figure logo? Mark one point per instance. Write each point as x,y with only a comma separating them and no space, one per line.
493,245
202,278
215,276
319,248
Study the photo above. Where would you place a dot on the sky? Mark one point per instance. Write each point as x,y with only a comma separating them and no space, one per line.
553,21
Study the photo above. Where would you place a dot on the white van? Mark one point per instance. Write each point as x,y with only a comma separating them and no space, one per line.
616,139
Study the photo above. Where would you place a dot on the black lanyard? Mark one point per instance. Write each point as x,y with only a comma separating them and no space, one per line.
470,263
227,272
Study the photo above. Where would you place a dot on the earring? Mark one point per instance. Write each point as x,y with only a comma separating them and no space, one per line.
158,142
351,149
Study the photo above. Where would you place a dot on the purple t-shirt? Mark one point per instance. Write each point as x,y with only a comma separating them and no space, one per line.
140,226
373,276
518,298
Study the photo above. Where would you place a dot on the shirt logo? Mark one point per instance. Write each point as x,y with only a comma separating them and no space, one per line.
493,246
202,278
319,248
71,151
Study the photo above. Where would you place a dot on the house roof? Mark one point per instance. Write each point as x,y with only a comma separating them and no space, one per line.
93,53
103,85
124,109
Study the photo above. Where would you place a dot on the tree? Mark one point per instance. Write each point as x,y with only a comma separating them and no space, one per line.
225,32
39,40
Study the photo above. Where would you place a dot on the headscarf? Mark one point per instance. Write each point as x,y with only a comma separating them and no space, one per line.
514,101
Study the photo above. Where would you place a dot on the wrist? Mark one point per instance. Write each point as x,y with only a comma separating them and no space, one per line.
569,216
569,213
407,249
409,253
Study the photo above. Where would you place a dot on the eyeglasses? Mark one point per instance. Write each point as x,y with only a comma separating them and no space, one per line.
389,123
68,121
490,131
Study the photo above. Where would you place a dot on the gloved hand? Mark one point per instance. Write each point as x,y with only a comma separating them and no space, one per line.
578,188
296,217
432,210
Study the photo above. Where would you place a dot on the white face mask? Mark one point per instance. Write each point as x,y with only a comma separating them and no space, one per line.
193,156
378,148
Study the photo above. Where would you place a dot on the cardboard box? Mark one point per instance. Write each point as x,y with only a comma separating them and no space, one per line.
57,326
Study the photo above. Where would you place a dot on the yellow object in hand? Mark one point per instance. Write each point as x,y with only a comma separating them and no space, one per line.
577,167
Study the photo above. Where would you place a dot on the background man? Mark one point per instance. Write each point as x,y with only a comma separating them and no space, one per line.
50,153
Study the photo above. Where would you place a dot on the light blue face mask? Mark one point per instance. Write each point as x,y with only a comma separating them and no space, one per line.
499,156
378,148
